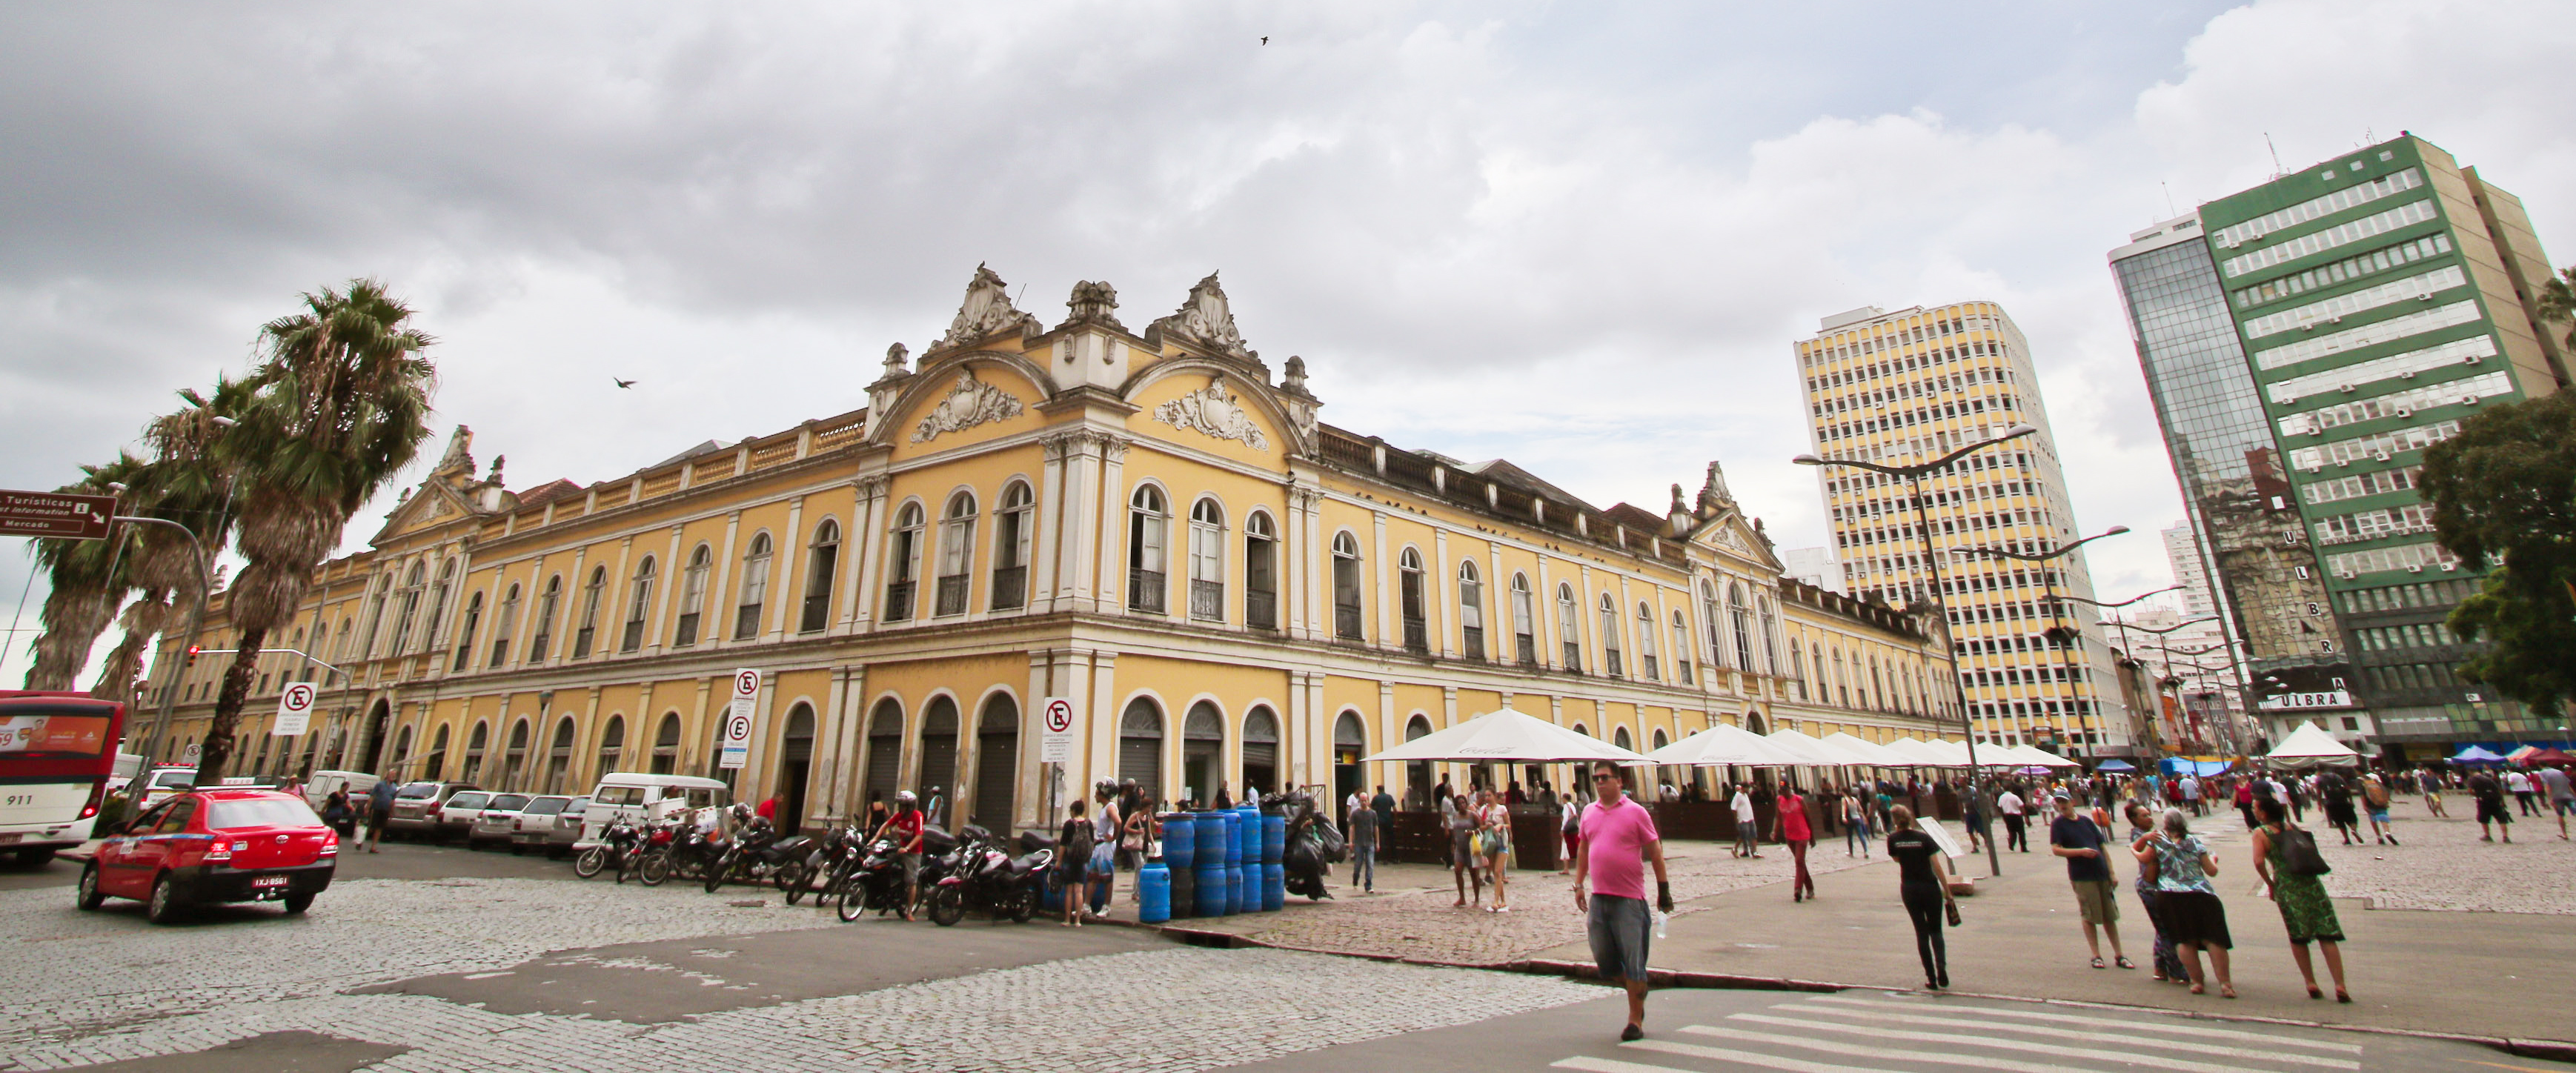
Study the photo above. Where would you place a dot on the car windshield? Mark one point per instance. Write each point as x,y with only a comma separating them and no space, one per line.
416,790
545,806
261,812
166,780
468,799
506,802
619,795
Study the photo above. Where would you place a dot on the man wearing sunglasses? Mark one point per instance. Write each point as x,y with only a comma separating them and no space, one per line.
1618,840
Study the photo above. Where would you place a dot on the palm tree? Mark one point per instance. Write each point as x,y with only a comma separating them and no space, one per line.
184,483
342,404
86,583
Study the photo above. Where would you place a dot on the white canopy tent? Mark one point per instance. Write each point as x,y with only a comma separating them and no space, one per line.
2310,746
1924,753
1724,745
1956,751
1868,752
1809,751
1508,736
2020,756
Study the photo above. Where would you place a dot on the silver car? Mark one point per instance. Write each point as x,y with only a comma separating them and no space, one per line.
551,822
493,823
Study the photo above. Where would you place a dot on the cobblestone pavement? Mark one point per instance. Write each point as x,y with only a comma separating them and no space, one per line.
2441,865
1413,917
97,987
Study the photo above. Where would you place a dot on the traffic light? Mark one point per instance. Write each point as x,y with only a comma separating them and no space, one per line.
192,656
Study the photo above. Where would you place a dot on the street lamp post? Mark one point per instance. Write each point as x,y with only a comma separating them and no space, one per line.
196,620
1931,558
2123,626
2048,586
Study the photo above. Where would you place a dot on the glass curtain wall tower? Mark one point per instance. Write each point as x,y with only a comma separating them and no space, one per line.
1897,388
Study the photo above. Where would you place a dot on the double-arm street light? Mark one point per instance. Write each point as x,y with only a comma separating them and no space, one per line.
2132,657
2048,584
1913,476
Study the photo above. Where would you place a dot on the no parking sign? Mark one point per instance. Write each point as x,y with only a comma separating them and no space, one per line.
733,746
1055,741
294,710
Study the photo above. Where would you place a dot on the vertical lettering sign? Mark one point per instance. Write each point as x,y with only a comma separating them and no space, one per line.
734,749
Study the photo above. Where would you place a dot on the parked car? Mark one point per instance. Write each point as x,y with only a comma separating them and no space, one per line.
418,808
203,846
317,789
551,823
456,817
162,782
640,798
496,820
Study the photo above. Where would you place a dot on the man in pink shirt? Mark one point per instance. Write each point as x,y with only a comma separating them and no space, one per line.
1619,839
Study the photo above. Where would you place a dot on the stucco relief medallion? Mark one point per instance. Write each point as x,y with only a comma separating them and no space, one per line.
969,403
1213,411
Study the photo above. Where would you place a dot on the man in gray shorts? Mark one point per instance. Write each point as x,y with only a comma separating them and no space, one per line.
1619,840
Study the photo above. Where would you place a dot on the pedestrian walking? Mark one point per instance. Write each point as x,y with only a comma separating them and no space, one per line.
2431,786
1459,819
2009,806
2301,896
2562,795
1105,825
2336,793
2519,785
1977,811
2191,794
1748,838
1363,843
2374,797
1923,885
2166,963
2245,800
1789,828
337,813
2189,901
1073,869
1855,824
380,809
2490,794
1135,836
1494,832
2088,869
1384,805
1570,825
1619,840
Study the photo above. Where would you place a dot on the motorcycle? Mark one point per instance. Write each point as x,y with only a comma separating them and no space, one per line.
873,878
656,861
616,846
758,854
1314,846
987,878
823,867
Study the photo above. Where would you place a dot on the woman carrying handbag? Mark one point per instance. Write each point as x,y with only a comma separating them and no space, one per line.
2286,856
1923,882
1494,843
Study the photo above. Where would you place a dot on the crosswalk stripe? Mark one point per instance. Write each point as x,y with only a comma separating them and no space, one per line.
2000,1044
1750,1058
2155,1024
1944,1019
1852,1050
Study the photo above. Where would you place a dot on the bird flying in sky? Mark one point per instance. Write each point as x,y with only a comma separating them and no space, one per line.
623,383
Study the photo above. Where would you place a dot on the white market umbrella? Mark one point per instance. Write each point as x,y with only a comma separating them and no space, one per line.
1870,752
1810,751
1924,753
1724,745
2311,746
1507,736
2032,756
1956,751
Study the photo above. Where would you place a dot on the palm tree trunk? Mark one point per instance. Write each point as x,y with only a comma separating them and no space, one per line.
143,620
218,747
74,616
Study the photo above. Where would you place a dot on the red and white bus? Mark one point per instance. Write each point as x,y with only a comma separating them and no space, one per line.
57,751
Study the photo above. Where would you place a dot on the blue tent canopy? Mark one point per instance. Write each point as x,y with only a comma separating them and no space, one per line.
2475,755
2175,765
2114,765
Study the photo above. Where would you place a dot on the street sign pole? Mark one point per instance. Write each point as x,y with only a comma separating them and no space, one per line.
1055,746
734,747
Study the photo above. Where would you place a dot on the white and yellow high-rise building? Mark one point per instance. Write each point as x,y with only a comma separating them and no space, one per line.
1898,388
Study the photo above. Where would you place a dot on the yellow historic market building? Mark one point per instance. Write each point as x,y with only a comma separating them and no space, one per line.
1229,592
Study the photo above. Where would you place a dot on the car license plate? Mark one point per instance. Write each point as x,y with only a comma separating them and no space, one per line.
7,837
268,881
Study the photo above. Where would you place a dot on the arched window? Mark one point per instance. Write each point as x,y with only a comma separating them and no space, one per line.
474,747
693,594
1714,616
937,776
1770,636
1140,745
1417,774
437,608
1741,617
885,752
1842,682
822,562
1350,742
345,625
755,589
559,757
666,745
408,606
1620,738
464,632
1417,627
1260,572
956,553
1346,587
639,605
1817,653
544,631
1207,560
1148,517
1609,636
1524,622
1471,610
903,563
435,764
1260,751
795,766
1569,627
591,594
515,758
1646,654
501,629
1877,686
1681,646
1014,529
402,751
997,756
1203,754
612,744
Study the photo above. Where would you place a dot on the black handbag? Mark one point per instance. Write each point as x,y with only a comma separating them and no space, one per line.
1952,908
2299,853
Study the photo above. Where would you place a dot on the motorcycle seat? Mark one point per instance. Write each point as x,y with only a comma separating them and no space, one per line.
1034,841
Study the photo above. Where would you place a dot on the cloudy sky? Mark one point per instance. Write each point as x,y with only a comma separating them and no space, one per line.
1581,236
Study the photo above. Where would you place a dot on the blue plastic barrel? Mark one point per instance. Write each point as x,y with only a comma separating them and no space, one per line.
1210,827
1274,839
1153,894
1180,841
1274,887
1185,893
1211,890
1237,888
1233,820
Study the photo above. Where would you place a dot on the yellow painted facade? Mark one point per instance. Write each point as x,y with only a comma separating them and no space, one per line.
1151,526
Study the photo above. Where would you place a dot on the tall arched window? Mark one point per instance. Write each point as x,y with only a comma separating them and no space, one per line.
474,747
501,629
1741,617
612,744
1842,682
997,757
1203,754
903,563
1647,655
559,757
956,553
464,632
693,595
1770,636
437,607
1014,529
1877,686
544,632
1524,622
666,745
408,606
1260,751
591,594
435,764
1207,560
755,589
1569,627
1610,636
1471,610
822,563
1715,629
639,605
1260,572
1148,518
937,775
1681,646
1140,745
514,759
1417,626
885,753
1346,587
402,751
1817,654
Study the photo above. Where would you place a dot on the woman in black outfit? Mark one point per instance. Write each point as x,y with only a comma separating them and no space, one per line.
1923,880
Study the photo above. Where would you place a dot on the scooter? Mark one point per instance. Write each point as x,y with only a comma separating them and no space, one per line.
988,879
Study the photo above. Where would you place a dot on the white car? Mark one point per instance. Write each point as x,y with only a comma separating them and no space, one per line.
161,782
458,813
493,823
549,822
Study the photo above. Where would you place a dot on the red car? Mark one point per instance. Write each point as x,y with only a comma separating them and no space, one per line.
221,845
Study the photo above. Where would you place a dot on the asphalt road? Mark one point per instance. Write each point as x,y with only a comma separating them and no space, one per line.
399,860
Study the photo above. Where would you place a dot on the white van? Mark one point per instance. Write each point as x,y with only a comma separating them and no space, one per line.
640,797
317,789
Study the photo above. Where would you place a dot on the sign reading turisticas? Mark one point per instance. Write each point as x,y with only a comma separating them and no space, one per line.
55,514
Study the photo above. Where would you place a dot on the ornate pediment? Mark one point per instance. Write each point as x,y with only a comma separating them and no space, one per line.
460,454
1213,411
986,310
969,402
1206,319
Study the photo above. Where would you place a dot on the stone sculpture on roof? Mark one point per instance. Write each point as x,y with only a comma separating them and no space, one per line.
1213,410
1206,318
460,456
970,402
1094,302
986,310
